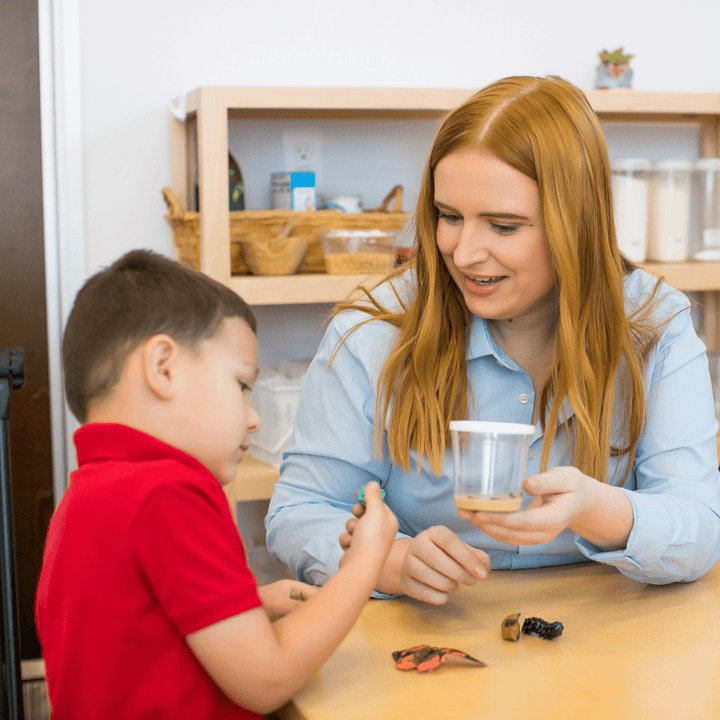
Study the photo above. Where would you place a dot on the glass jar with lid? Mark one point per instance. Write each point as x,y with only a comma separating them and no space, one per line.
708,181
630,179
669,210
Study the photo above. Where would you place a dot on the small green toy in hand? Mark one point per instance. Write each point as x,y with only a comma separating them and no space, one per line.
361,495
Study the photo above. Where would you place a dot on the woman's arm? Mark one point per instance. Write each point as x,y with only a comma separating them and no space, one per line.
664,524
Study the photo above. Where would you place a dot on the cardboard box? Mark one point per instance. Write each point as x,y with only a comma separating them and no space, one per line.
293,191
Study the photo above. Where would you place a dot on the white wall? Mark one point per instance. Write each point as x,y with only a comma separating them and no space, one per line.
138,55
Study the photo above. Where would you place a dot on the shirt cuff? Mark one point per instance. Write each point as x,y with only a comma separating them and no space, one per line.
645,546
333,565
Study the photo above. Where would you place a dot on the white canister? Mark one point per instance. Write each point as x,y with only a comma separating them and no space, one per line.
346,203
669,210
708,171
630,179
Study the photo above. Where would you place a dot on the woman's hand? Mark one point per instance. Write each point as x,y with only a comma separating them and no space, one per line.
437,562
563,498
281,597
427,567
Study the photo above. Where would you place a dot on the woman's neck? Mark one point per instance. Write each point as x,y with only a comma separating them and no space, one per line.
530,345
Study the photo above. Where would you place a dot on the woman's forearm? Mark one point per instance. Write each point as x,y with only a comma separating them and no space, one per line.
608,521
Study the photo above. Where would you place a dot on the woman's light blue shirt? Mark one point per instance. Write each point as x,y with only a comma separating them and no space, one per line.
674,484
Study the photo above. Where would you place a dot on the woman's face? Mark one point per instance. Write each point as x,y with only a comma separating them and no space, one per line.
491,234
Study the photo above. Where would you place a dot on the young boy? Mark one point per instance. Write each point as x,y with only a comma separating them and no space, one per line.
145,605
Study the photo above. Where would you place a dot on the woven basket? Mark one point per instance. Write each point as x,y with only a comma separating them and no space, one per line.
249,225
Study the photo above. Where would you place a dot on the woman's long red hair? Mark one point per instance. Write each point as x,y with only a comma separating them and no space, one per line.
546,129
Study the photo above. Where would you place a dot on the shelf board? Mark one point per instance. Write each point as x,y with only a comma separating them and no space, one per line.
438,100
306,289
622,100
296,289
254,480
688,276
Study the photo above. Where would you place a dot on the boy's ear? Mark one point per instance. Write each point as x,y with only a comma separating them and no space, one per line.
160,355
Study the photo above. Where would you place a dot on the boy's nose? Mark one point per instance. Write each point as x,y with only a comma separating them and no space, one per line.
253,420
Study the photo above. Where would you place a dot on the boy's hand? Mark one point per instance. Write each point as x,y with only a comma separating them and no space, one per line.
372,529
281,597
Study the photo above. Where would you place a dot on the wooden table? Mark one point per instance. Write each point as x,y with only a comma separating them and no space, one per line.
628,650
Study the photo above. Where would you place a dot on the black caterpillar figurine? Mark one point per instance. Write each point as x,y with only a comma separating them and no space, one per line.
543,629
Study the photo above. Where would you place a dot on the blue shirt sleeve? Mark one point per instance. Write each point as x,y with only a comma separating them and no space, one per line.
331,455
674,487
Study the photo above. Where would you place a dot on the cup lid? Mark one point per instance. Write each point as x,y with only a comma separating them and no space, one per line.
497,428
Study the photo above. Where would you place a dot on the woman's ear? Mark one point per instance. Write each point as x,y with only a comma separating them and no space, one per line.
160,356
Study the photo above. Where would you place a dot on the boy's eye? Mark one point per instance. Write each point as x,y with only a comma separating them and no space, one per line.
244,386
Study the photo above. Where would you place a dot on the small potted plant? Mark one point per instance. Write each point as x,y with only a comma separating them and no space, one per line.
614,70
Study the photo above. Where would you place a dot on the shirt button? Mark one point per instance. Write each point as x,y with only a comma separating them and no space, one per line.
523,398
531,453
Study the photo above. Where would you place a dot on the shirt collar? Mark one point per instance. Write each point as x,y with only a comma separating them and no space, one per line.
111,441
482,344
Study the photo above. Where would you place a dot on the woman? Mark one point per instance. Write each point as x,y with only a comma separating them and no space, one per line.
519,308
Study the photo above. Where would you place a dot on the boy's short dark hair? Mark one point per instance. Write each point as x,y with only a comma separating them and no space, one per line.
140,295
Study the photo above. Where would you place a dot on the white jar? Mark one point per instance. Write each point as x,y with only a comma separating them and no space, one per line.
630,201
669,210
708,177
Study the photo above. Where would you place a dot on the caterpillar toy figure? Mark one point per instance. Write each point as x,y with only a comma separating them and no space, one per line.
545,630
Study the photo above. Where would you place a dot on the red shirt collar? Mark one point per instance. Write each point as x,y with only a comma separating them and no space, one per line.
112,441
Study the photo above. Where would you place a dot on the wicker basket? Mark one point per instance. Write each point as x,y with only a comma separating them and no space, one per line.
251,225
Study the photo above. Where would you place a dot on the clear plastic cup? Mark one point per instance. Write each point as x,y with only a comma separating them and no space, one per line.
489,462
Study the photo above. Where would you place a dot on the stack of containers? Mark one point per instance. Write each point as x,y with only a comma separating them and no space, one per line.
630,198
667,210
708,172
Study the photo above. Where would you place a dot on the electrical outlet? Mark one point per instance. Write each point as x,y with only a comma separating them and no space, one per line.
303,151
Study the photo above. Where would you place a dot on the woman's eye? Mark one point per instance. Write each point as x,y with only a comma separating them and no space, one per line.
449,218
244,386
502,229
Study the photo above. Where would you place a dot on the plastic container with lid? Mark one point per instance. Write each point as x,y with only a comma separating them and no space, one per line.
669,210
630,179
708,181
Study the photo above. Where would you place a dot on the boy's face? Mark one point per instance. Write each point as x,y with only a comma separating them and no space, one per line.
214,398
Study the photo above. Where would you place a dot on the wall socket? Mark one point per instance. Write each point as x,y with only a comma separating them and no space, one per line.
303,151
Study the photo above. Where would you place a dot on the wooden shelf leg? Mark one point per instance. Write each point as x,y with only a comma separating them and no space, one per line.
213,185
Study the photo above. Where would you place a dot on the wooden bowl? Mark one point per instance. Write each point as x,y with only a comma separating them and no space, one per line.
275,256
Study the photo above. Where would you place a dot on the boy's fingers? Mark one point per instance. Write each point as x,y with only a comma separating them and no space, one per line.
372,492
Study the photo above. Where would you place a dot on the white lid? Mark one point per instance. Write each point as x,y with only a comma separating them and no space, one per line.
497,428
670,165
708,164
631,164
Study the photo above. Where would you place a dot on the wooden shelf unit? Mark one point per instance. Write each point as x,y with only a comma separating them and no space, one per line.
208,110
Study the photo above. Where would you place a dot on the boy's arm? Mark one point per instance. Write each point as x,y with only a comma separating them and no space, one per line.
260,665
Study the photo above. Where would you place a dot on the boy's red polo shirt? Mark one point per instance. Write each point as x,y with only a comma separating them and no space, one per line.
141,551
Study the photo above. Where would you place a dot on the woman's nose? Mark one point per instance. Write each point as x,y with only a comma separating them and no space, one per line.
471,247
